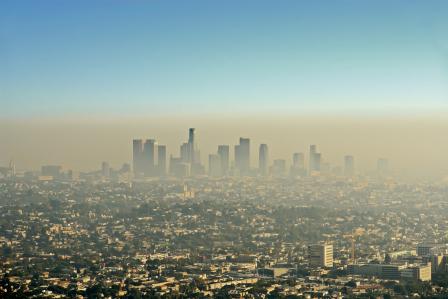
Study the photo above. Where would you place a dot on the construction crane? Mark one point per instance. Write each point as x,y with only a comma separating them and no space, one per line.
355,233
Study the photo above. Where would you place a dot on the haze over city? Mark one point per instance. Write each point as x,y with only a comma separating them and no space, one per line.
224,149
140,69
415,146
333,75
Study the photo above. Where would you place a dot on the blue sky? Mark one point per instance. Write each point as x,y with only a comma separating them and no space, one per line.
73,58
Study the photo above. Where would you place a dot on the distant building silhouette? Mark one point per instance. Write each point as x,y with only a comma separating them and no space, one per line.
191,145
185,152
178,168
315,160
224,156
189,156
263,159
161,159
149,150
137,156
242,156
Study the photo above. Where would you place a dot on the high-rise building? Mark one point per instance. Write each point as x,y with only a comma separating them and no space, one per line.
263,159
224,157
161,160
125,168
242,156
192,145
196,168
185,152
214,165
349,166
137,156
149,150
179,168
315,160
105,169
190,156
320,255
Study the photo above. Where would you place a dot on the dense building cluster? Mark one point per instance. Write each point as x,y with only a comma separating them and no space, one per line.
160,230
242,237
150,160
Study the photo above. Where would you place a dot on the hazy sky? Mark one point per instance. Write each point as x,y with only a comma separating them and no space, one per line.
153,57
80,79
416,147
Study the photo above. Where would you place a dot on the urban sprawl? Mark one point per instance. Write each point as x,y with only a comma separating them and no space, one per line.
168,228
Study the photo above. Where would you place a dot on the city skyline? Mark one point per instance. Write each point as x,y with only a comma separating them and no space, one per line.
77,81
149,159
189,164
368,139
224,149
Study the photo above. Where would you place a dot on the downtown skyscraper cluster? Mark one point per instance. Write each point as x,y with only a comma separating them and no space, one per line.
144,158
150,160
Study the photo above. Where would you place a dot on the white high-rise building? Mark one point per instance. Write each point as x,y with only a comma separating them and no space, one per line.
320,255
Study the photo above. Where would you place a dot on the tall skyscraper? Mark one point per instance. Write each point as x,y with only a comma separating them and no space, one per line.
315,160
178,168
190,154
320,255
242,156
196,168
185,152
192,145
311,167
224,157
161,160
191,135
263,159
137,156
149,150
214,165
349,165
